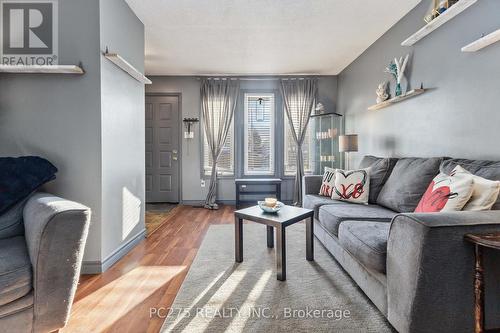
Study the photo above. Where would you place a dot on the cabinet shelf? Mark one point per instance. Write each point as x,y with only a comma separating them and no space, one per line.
325,129
326,114
450,13
389,102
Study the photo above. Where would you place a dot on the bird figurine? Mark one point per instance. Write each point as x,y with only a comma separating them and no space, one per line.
382,94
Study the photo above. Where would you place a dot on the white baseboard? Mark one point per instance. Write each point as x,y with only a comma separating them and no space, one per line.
97,267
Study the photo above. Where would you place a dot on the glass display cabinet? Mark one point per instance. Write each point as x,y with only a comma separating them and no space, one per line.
325,129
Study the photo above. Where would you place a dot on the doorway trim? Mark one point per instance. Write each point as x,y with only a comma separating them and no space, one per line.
181,136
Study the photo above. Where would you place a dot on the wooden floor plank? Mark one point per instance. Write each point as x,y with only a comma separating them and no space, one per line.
149,276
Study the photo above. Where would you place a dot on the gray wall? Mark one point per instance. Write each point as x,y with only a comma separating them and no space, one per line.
90,126
189,87
458,116
58,116
122,129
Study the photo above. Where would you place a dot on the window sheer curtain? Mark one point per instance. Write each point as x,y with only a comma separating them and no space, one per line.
301,93
218,101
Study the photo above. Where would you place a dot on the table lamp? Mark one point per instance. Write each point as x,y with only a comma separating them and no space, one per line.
347,144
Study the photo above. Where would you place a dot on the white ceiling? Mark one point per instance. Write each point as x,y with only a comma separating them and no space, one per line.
197,37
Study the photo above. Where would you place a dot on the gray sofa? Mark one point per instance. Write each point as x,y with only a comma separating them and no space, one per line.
39,271
416,268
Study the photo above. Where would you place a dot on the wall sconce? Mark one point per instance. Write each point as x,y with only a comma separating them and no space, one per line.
189,122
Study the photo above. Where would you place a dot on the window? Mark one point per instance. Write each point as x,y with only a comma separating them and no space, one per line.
225,165
259,134
291,149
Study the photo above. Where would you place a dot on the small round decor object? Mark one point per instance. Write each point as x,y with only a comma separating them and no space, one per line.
270,202
270,209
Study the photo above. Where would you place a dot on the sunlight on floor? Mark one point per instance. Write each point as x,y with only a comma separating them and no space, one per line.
120,296
131,212
250,302
206,290
200,323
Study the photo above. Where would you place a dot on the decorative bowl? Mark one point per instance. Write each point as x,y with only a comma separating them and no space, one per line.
267,209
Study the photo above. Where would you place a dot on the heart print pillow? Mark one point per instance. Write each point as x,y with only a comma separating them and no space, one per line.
352,186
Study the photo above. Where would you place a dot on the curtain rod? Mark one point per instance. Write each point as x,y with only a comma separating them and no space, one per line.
254,78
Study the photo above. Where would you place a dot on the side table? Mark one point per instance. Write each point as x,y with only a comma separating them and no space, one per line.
480,241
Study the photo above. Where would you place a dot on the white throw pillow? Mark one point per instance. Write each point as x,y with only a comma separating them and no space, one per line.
446,193
352,186
328,182
484,194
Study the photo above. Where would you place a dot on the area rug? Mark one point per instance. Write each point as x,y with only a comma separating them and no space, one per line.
157,215
219,295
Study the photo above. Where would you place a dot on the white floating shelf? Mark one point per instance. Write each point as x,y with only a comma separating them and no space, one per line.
389,102
127,67
450,13
47,69
482,42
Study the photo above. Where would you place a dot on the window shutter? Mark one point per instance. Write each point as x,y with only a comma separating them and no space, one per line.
259,134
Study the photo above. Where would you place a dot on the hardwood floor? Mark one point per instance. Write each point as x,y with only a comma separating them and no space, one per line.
150,276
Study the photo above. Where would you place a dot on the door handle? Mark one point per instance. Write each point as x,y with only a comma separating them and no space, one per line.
174,151
174,158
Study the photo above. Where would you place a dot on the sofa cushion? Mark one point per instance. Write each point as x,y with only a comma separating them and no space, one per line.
21,176
327,183
331,216
352,186
486,169
447,193
380,170
15,270
367,242
314,202
11,222
484,194
408,182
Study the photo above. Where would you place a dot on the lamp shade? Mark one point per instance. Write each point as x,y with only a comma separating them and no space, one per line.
348,143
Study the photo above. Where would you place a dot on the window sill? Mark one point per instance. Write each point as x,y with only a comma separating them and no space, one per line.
207,177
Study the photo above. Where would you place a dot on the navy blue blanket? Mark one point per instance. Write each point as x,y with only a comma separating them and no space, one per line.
20,176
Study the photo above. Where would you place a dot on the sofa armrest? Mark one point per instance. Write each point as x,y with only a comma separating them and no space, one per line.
56,230
311,184
430,271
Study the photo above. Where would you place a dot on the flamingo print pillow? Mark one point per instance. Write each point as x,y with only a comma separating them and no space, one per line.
352,186
447,193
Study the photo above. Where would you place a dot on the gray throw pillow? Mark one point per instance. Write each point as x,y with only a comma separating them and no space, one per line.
486,169
408,182
11,222
380,170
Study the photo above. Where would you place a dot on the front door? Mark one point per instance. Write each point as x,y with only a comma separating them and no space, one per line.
162,148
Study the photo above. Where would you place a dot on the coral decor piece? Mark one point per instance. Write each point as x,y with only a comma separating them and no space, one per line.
397,69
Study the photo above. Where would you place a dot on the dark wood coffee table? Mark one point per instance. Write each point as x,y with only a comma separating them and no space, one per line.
288,215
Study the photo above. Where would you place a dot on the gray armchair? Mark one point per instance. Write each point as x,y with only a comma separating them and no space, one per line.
39,271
